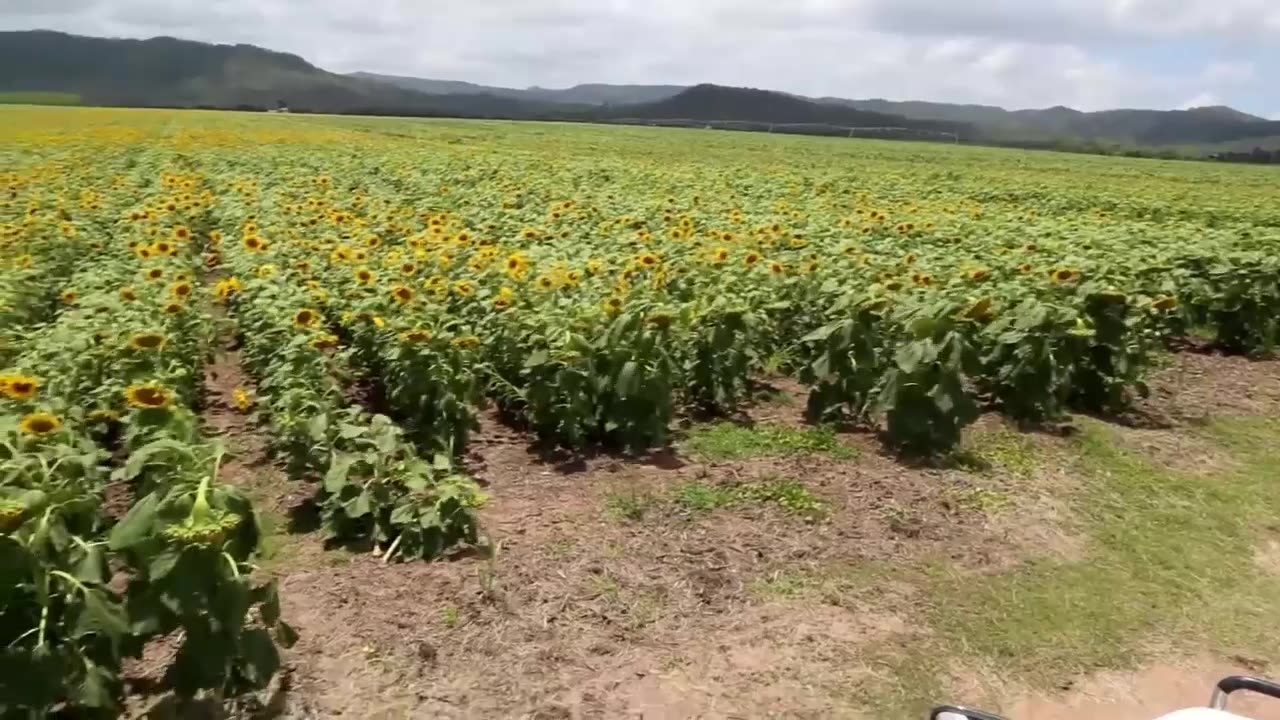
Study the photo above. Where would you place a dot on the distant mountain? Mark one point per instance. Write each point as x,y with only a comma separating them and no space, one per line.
1141,127
716,102
166,71
592,94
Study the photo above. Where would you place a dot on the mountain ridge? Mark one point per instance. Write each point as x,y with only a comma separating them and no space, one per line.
172,72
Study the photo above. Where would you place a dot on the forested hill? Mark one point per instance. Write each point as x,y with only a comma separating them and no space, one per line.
170,72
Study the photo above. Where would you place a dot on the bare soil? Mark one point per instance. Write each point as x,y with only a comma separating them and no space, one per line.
1149,693
576,612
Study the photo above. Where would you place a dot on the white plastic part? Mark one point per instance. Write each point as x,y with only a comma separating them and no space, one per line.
1202,714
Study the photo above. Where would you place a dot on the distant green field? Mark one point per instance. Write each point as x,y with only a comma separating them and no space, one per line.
38,98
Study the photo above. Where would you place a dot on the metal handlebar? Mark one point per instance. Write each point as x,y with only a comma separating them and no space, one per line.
1235,683
966,713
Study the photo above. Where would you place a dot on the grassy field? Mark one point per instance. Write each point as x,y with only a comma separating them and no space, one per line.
39,98
665,396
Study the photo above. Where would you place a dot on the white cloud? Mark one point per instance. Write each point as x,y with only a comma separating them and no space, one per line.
1023,53
1202,100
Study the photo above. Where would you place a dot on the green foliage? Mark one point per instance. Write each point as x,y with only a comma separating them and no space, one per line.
38,98
924,394
726,441
790,495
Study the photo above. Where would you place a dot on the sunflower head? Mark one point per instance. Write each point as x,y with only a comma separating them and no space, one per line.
979,275
1063,275
751,258
181,290
466,342
148,397
102,416
19,387
306,318
660,319
68,296
416,336
980,311
253,243
402,294
364,276
776,268
155,273
324,341
39,424
148,341
648,259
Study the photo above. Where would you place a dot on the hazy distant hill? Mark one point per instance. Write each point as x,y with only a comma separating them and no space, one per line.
1142,127
172,72
167,71
590,94
716,102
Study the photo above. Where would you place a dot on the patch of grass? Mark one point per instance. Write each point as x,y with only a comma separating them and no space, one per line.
791,496
36,97
1170,557
728,442
450,616
630,504
701,497
1003,449
833,585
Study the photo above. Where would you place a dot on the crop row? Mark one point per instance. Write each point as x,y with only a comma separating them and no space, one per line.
98,409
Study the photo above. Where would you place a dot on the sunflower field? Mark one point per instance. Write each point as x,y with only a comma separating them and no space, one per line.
388,280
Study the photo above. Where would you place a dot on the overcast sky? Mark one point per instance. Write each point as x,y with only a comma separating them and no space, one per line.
1089,54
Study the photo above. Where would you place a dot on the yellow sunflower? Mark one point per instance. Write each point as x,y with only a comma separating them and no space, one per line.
751,259
1063,275
39,424
242,399
174,308
402,295
19,387
102,416
148,397
365,276
181,290
68,296
416,336
148,341
324,341
155,273
306,318
466,342
980,311
253,243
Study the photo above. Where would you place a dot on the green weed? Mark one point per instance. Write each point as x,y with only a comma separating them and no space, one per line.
728,442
